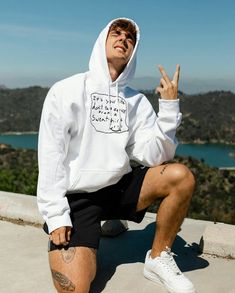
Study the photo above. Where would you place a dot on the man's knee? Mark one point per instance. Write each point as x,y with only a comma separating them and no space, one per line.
182,176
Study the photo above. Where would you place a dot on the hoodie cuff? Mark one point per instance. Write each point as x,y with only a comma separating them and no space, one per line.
59,221
169,106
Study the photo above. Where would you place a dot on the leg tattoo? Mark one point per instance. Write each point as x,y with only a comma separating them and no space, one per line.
163,169
63,281
68,254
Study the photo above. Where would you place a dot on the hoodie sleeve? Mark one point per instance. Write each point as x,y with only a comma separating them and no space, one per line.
153,140
53,139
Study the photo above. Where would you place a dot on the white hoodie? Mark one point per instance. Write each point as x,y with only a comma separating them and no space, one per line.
92,127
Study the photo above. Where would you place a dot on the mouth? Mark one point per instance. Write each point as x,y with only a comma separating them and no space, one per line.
120,48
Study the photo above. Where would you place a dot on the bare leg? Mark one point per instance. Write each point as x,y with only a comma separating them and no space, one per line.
175,183
73,269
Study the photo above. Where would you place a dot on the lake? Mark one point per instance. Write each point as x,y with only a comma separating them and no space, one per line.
216,155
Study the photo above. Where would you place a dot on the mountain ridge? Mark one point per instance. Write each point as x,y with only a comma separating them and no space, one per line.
187,85
207,118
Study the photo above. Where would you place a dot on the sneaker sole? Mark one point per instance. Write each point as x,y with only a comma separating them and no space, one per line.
153,277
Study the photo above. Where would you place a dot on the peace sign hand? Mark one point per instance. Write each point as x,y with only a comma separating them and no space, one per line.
168,89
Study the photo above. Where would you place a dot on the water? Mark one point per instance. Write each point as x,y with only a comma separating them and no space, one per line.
216,155
27,141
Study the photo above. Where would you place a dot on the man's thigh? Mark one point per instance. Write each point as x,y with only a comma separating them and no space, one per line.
73,269
158,182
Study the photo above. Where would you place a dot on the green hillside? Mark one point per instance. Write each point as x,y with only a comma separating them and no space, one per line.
214,197
207,117
20,109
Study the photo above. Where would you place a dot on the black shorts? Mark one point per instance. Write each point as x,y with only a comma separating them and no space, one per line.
117,201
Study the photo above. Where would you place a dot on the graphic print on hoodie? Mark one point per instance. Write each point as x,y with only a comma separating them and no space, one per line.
108,113
92,127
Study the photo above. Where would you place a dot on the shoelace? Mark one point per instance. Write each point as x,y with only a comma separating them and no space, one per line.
169,263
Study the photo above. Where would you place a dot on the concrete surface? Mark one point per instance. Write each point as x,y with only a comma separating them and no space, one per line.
219,239
24,265
19,207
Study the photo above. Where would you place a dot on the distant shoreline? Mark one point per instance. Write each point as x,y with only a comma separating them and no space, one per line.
196,141
19,133
213,141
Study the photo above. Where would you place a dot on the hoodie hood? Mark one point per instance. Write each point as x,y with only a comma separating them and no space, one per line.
98,65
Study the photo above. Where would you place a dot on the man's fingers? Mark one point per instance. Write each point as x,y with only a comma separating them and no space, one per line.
163,82
68,231
168,89
176,75
163,73
59,236
159,90
55,238
63,240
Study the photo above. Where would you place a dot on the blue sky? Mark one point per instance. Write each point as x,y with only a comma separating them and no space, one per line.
44,41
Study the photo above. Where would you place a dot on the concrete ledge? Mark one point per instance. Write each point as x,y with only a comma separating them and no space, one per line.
19,207
219,239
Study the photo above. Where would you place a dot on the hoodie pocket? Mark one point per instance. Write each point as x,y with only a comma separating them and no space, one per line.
92,180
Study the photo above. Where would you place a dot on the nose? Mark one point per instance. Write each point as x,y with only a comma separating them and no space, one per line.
122,37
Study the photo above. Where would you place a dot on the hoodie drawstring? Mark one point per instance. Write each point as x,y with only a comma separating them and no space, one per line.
118,106
115,120
109,105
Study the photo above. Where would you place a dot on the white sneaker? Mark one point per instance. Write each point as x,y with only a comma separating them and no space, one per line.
163,269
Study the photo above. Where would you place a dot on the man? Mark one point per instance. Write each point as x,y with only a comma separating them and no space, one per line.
92,126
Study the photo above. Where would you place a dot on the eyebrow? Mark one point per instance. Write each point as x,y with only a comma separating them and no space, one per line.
128,33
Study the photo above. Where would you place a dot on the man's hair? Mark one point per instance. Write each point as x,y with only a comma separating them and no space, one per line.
125,25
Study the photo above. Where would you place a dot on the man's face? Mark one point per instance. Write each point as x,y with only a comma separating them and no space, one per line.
119,46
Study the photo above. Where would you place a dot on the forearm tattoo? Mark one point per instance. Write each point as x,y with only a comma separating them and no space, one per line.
63,281
68,254
163,169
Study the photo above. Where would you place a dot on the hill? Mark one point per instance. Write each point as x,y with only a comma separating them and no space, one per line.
214,197
20,109
208,117
187,85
